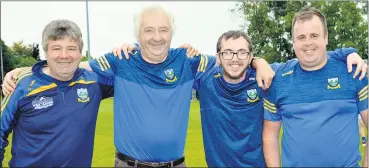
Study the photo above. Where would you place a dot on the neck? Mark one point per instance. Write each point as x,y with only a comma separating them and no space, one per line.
47,71
317,67
148,58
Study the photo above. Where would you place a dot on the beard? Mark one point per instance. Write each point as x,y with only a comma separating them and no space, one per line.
235,77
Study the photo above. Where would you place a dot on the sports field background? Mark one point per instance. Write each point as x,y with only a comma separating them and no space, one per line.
104,143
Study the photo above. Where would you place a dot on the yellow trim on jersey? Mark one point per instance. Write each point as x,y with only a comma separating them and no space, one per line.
365,89
217,75
106,61
203,63
270,108
20,77
81,81
363,98
363,94
5,102
98,61
269,103
102,62
288,73
41,89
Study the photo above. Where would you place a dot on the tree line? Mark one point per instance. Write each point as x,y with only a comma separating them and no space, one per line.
268,23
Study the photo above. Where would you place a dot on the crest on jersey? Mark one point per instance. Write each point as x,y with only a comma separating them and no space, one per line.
83,95
252,95
333,83
171,77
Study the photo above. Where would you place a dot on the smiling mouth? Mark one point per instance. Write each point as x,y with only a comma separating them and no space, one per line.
235,66
309,51
156,45
64,63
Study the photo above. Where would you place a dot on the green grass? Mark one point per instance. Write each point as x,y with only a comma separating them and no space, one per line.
104,143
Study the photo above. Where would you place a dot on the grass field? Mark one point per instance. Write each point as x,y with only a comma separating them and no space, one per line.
104,144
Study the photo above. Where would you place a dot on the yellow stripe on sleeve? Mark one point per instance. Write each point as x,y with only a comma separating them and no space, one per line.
364,98
101,67
269,103
106,61
363,90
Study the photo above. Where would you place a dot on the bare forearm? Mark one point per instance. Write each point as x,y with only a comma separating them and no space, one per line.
85,65
271,151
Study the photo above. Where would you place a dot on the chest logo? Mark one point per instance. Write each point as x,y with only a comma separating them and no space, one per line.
170,76
252,95
83,95
333,83
42,102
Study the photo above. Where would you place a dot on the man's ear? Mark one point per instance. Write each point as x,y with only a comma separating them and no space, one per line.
217,59
251,57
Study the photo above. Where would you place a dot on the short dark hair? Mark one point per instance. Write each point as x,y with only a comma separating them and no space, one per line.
307,13
234,34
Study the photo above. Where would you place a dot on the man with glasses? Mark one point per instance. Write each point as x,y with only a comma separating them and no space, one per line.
231,106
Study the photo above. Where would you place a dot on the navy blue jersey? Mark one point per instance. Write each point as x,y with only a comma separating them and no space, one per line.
53,122
318,110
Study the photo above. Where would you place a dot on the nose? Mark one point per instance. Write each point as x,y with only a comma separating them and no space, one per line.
235,57
157,36
64,53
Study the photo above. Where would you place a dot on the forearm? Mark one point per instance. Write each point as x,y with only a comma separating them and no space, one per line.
85,65
259,63
271,151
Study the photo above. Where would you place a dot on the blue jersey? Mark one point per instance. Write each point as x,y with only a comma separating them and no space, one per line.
53,122
151,102
232,121
232,117
318,110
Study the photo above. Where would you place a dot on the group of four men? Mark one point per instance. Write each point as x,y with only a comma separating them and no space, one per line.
53,107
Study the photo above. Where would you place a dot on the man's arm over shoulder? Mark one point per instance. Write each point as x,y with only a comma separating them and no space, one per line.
105,65
202,65
277,66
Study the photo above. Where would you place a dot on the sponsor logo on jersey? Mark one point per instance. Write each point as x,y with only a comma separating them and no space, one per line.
42,102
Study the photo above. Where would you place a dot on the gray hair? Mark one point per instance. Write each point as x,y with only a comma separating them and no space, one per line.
138,16
59,29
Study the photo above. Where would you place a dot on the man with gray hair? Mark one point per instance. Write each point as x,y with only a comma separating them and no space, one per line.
54,107
152,93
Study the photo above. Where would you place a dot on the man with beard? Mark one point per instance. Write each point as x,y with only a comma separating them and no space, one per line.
231,103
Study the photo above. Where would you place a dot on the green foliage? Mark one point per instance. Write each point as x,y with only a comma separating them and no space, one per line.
22,54
8,60
268,23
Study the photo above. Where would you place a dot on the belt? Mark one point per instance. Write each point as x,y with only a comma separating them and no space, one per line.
140,164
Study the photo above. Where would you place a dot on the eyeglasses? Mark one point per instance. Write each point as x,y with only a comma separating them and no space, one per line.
228,55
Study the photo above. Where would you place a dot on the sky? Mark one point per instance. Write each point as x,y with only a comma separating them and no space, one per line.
111,23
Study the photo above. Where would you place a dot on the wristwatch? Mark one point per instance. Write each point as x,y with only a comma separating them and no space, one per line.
254,58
